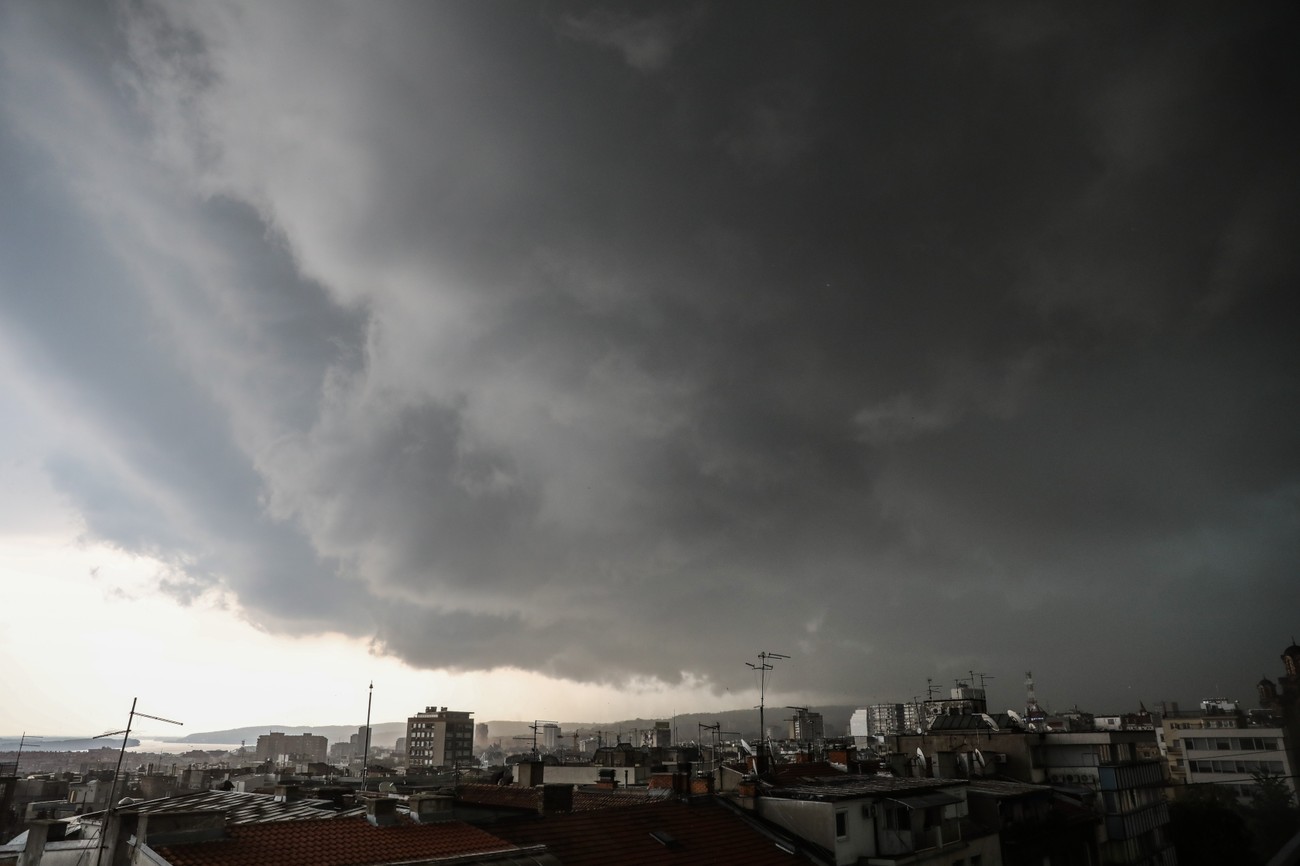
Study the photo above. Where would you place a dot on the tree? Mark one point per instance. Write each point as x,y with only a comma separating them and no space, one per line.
1208,828
1272,815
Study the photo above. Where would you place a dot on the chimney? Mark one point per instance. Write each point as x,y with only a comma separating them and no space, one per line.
431,808
529,774
382,811
39,833
286,793
556,799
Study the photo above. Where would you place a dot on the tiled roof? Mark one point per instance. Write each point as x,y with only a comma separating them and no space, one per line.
240,807
505,796
588,800
701,831
343,842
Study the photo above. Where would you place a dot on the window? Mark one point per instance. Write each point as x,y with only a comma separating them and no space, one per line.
841,825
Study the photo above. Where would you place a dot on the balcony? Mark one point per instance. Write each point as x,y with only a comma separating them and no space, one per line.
895,842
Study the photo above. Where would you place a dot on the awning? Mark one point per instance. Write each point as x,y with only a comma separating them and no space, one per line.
925,801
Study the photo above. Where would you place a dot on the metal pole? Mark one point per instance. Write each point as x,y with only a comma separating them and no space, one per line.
112,790
365,759
19,758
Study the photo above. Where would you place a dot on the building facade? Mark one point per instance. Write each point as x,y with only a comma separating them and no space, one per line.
806,726
285,748
439,738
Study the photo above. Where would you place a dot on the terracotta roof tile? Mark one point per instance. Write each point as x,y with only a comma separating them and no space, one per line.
508,796
341,842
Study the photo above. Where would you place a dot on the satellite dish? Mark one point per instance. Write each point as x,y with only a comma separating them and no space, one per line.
920,756
979,757
988,720
1015,717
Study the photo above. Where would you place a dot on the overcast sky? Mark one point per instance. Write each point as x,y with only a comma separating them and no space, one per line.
553,360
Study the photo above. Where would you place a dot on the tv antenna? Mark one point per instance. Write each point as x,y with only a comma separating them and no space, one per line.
21,740
112,789
763,667
365,749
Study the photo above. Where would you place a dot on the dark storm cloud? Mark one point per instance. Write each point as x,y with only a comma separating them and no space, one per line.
614,344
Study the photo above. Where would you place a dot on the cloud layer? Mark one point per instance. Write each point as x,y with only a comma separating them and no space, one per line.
620,346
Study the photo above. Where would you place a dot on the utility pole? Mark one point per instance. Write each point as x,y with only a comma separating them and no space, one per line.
763,667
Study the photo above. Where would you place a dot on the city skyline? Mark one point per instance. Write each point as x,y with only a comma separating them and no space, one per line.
555,361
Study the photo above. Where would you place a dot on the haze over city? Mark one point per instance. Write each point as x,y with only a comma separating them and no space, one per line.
554,360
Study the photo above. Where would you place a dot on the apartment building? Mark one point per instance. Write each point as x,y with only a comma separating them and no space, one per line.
439,738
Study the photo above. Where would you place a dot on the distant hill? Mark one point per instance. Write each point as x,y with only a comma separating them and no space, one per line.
381,733
686,727
65,744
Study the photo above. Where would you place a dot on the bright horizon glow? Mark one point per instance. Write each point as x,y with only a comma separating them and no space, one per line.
208,667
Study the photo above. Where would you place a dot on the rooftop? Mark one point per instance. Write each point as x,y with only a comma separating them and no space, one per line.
517,797
240,807
847,786
343,842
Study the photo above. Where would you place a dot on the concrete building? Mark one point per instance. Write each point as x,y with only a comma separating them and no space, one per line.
963,700
359,742
282,748
877,819
1220,746
1116,774
439,738
1033,827
806,726
885,719
860,726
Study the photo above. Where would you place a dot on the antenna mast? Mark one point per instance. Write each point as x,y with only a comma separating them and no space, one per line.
112,789
19,757
365,755
763,667
1032,710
